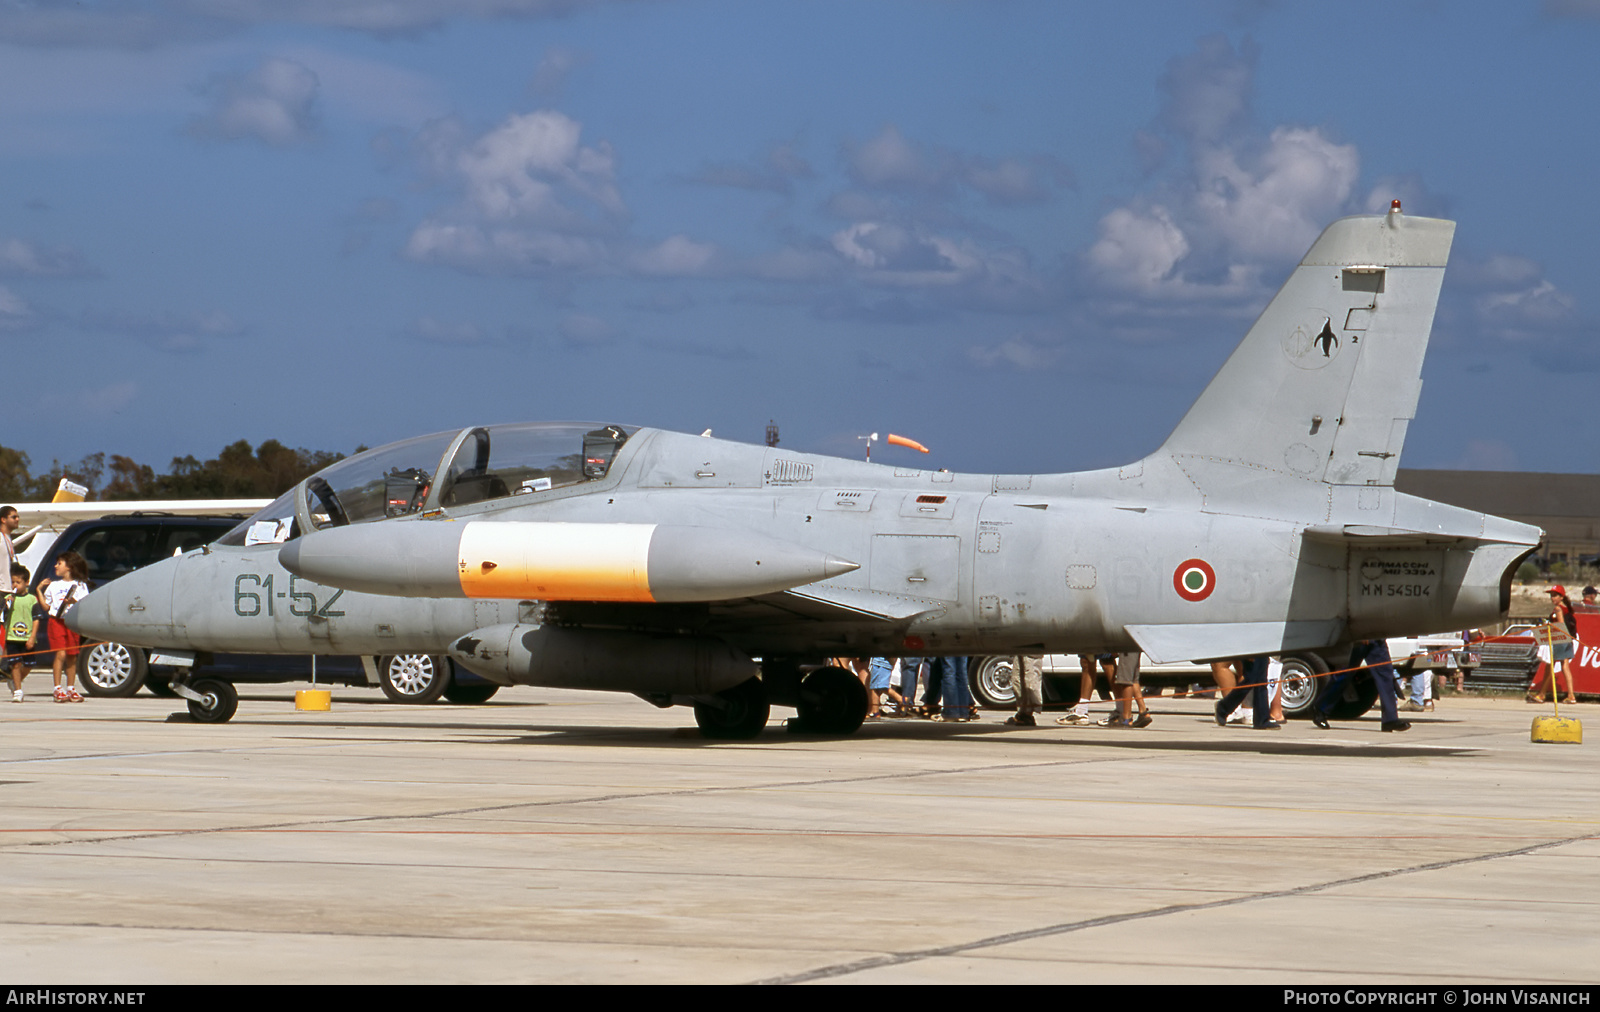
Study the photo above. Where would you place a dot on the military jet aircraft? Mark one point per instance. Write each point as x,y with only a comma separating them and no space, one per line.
694,570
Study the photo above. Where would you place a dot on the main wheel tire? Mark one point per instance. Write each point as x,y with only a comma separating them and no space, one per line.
112,669
1303,678
469,694
832,701
223,701
993,682
736,713
413,678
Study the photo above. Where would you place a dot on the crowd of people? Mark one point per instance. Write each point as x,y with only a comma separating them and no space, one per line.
26,606
1248,686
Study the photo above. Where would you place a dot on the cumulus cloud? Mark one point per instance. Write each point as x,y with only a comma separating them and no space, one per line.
23,258
1236,204
272,103
1274,205
522,169
536,200
1139,248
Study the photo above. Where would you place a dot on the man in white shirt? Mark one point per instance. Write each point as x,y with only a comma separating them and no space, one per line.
10,520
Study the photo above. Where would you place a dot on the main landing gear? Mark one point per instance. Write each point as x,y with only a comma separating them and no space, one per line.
832,701
829,700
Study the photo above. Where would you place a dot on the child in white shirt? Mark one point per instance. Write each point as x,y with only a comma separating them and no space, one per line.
70,587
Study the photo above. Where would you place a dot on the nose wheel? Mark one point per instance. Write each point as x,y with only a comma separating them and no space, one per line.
211,700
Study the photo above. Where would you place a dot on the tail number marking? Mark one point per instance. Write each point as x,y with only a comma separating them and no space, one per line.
253,596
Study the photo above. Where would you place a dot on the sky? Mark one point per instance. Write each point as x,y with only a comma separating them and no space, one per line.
1023,233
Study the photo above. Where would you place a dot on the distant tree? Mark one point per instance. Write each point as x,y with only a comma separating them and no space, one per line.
129,480
238,472
15,482
85,472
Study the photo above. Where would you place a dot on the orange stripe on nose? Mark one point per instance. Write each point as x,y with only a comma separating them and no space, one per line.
556,561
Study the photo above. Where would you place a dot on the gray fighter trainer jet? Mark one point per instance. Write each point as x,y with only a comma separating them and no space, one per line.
693,570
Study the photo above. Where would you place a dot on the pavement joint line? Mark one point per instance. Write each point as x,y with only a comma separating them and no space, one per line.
918,955
602,798
784,833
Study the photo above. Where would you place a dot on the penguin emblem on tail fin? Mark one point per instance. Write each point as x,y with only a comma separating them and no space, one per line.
1326,340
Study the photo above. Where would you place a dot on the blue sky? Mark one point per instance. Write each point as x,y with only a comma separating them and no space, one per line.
1023,233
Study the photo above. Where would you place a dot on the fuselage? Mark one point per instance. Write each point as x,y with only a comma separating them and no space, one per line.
948,563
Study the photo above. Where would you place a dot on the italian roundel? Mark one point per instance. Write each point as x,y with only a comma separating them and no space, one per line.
1194,580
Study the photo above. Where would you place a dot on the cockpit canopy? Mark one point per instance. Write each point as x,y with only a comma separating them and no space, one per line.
440,471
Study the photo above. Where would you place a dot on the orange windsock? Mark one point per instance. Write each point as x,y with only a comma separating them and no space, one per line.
903,441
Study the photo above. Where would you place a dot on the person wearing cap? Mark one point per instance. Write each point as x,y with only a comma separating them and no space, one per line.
1559,644
1589,601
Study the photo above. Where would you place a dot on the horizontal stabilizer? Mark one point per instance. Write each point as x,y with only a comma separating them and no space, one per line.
1397,537
1211,641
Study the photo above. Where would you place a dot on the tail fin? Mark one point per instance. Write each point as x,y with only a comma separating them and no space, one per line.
1324,384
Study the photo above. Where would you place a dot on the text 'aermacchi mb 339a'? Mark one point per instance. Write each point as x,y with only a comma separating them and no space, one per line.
632,559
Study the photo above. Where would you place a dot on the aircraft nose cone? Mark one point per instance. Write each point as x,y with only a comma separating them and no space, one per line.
135,608
91,617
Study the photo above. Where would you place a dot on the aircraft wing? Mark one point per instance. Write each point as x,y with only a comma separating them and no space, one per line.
794,610
1206,641
59,514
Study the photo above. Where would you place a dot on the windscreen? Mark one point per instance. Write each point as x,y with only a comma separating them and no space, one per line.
387,481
